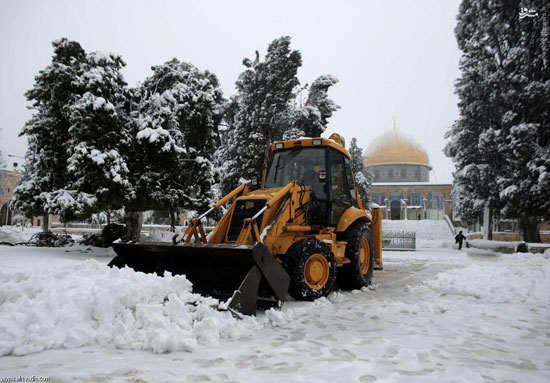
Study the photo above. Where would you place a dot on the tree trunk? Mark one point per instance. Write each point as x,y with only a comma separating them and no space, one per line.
266,158
134,222
530,228
488,223
46,222
108,217
172,220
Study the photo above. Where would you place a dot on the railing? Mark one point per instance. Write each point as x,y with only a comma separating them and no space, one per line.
450,224
399,241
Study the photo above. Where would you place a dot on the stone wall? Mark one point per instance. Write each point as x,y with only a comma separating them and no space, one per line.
8,182
392,192
400,173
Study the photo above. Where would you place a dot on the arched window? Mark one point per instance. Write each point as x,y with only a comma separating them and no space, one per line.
415,199
378,198
435,200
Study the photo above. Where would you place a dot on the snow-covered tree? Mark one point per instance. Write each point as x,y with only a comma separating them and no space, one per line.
524,184
98,133
293,133
363,178
43,189
311,120
265,110
265,91
178,111
480,108
500,142
74,164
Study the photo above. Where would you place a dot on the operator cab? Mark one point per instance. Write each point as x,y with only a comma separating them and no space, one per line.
326,170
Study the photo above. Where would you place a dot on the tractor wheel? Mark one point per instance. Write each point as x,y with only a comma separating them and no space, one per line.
360,250
312,269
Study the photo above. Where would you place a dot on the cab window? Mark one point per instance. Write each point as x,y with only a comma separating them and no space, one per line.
301,165
339,192
351,185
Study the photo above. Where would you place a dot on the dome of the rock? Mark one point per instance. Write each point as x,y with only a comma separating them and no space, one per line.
395,147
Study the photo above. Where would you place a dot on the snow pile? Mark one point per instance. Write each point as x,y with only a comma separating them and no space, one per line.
523,279
90,303
497,246
15,234
429,233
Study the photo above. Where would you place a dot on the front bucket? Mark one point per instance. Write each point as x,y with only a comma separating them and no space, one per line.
219,270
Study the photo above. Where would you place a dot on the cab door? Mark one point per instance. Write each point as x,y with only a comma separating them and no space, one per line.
339,190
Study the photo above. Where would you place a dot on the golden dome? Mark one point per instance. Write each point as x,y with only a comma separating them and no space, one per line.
395,147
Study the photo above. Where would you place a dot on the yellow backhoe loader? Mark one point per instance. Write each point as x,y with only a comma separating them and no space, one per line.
304,232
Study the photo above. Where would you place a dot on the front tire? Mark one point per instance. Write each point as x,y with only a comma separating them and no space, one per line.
312,269
360,250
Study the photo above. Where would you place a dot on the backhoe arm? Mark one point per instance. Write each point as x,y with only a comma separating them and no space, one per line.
195,229
250,232
242,188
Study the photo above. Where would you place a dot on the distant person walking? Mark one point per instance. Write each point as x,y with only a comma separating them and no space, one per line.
459,238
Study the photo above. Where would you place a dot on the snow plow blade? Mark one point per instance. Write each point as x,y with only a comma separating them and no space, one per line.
249,275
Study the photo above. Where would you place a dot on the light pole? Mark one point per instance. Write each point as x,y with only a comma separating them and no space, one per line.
8,205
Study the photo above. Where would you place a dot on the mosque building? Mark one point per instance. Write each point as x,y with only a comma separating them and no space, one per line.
401,169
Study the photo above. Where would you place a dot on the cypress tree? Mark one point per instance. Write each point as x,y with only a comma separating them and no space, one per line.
363,178
500,143
43,189
174,132
262,113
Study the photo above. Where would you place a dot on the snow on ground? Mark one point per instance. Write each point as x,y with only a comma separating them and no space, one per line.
93,304
15,234
429,233
434,315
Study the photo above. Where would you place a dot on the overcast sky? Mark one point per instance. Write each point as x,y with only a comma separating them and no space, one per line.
393,58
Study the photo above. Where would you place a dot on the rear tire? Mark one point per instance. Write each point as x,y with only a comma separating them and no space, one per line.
360,250
312,269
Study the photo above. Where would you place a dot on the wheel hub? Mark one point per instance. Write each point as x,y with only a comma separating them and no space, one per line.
364,256
316,271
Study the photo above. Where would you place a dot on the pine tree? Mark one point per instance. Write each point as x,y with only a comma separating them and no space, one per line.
525,183
499,144
174,128
363,178
480,109
265,91
311,120
43,190
96,163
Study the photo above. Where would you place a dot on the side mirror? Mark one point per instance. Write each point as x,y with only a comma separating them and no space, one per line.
323,176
